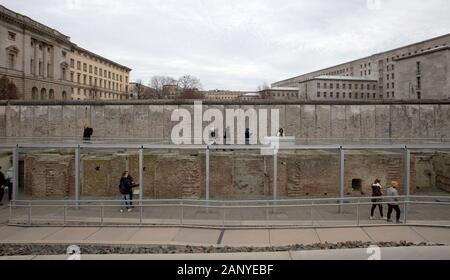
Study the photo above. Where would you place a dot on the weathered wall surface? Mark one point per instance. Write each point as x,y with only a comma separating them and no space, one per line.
305,122
233,175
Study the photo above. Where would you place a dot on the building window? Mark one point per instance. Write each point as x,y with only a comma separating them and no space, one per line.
362,95
368,95
331,86
337,95
51,94
419,95
325,85
95,70
343,95
318,95
72,63
72,76
393,94
90,69
40,68
78,65
64,95
84,67
387,85
318,85
374,95
388,95
12,60
350,95
419,83
374,87
418,67
64,54
393,85
11,36
331,95
324,95
84,79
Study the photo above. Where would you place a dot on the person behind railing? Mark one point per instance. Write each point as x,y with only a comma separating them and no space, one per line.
2,185
126,188
87,133
376,192
280,133
247,136
392,194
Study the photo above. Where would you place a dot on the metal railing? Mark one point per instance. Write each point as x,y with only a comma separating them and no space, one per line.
349,211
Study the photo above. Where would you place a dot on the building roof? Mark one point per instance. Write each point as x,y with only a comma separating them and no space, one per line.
284,88
342,78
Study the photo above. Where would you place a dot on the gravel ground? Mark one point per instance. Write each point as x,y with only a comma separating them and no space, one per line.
49,249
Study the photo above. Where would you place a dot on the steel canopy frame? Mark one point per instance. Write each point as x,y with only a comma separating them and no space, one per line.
340,149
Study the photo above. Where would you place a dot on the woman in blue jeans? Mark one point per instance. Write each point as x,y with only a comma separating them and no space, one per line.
126,187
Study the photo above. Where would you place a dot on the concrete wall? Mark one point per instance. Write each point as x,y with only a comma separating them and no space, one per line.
305,121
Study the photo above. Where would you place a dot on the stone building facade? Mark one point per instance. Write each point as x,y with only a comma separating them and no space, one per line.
42,62
339,87
417,71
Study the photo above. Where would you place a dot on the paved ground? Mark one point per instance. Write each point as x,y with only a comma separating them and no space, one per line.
408,253
229,237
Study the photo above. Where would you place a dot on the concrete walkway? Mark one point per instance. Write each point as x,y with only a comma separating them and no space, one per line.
406,253
213,237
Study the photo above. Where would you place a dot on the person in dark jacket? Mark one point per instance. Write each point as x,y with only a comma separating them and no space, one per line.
88,131
125,187
376,192
2,185
247,136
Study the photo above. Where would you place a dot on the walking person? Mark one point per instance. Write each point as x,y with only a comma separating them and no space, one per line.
376,192
87,133
125,188
392,194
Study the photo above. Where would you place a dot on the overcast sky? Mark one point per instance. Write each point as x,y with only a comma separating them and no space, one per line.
238,44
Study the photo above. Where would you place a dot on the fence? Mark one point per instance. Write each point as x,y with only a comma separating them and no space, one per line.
416,210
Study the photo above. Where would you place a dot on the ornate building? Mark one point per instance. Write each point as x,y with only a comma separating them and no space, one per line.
43,64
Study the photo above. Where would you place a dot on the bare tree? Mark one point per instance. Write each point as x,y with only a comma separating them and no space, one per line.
158,82
263,86
189,82
8,89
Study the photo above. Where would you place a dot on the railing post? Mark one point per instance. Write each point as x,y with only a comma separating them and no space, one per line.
181,212
29,213
406,180
65,214
357,212
223,215
102,218
141,213
341,179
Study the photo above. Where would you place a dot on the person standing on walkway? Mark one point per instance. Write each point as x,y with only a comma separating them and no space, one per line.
87,133
125,187
392,194
10,181
376,192
280,133
2,185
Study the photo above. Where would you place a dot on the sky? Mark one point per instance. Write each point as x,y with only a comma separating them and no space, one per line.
238,44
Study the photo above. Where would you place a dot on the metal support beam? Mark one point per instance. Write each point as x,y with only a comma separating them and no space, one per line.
275,175
141,175
406,179
15,190
341,179
207,175
77,176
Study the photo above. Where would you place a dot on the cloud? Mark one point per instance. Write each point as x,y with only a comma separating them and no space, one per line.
238,44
